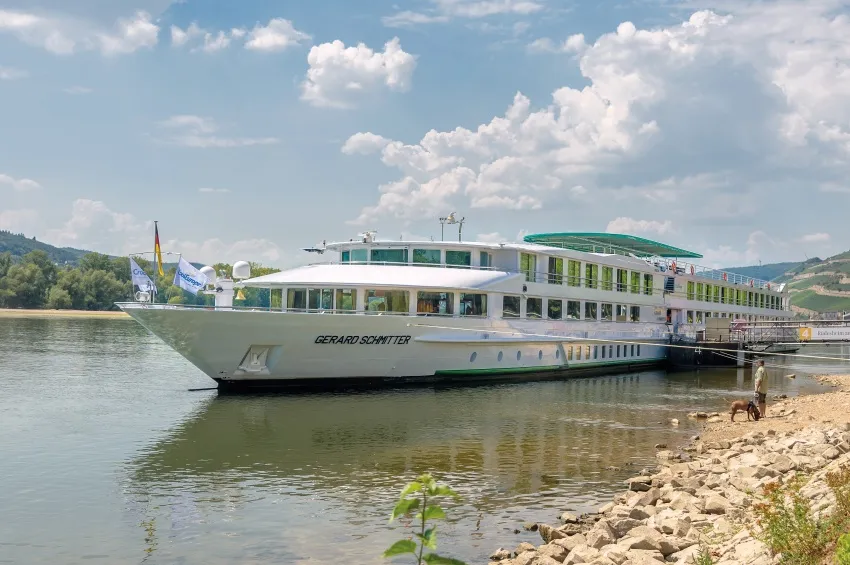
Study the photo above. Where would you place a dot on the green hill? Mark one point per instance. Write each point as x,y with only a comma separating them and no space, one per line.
820,285
769,272
19,245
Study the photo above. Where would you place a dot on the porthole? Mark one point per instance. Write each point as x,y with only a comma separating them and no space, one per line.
518,355
540,355
472,357
500,356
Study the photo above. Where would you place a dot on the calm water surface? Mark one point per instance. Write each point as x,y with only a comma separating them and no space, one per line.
106,457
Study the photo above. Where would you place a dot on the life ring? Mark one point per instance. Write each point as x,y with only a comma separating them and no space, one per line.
725,277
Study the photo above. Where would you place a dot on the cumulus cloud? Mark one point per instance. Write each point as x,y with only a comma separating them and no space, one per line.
20,185
442,11
200,132
639,227
339,75
63,35
18,221
573,44
819,237
8,73
277,35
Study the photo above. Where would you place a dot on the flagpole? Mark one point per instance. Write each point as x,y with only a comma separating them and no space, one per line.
155,271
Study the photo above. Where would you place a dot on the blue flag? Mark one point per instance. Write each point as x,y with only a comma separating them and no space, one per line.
188,277
140,278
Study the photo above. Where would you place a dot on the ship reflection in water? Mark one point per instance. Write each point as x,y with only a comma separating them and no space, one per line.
313,478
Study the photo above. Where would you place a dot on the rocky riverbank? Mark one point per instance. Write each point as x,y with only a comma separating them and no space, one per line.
700,500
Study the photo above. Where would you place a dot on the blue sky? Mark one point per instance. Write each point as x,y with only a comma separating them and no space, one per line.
250,129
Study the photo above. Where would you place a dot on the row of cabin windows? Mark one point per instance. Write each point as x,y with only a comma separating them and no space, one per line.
555,310
634,282
419,257
699,317
631,350
705,292
398,301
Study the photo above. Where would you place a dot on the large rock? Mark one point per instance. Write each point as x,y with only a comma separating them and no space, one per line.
644,557
546,560
656,540
648,498
755,472
678,526
716,504
685,501
649,543
571,542
623,525
601,534
581,554
553,551
569,518
549,534
523,547
687,555
525,558
500,554
639,484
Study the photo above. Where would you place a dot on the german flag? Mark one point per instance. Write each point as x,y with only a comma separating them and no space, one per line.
156,249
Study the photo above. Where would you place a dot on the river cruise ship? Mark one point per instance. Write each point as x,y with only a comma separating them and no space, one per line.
555,305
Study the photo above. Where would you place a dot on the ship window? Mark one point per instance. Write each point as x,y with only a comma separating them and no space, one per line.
570,353
622,313
647,284
634,313
618,351
690,316
387,301
573,310
574,273
595,351
750,299
389,256
462,258
534,308
473,304
603,352
633,350
607,278
486,259
426,256
296,298
435,303
699,317
345,257
320,299
556,270
610,351
635,283
590,311
346,299
690,290
528,265
638,350
510,306
622,280
700,291
555,309
708,296
607,313
578,353
591,275
716,290
358,255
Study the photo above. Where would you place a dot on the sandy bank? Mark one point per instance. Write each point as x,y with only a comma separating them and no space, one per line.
21,313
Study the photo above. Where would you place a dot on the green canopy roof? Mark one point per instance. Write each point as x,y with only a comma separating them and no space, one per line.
614,243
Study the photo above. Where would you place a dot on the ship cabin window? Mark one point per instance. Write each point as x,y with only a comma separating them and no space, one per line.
296,299
379,301
590,311
610,351
647,284
586,352
435,303
573,310
574,273
700,291
345,257
528,265
346,300
690,290
359,255
635,289
699,317
622,280
634,313
618,351
607,312
486,260
556,270
690,316
426,256
510,306
570,353
716,289
595,351
603,352
578,353
320,299
633,350
534,308
389,256
591,275
607,278
638,350
708,296
555,309
722,295
458,258
622,313
473,304
750,299
761,300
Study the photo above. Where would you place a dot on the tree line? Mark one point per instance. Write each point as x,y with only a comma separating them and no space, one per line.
97,282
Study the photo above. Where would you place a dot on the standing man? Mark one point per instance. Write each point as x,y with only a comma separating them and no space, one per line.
761,388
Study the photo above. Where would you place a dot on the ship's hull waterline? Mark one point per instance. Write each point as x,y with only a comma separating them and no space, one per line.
256,350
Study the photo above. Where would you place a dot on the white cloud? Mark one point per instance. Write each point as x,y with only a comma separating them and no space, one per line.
18,221
21,185
94,226
207,190
277,35
204,40
180,37
573,44
637,227
8,73
339,75
64,35
199,132
758,246
819,237
364,143
445,10
78,90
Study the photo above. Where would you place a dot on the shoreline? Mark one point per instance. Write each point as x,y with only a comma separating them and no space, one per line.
32,313
700,503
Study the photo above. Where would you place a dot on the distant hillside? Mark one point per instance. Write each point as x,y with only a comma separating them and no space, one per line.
821,285
19,245
767,272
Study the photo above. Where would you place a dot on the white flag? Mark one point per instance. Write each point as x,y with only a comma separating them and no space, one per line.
140,278
188,277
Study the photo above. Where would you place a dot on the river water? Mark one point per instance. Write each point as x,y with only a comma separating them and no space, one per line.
107,457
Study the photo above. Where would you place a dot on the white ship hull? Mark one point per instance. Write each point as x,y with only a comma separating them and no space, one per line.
263,349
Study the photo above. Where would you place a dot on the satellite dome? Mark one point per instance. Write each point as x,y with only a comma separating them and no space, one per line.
209,272
241,270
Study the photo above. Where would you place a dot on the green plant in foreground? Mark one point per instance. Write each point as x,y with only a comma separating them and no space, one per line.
418,497
842,553
703,557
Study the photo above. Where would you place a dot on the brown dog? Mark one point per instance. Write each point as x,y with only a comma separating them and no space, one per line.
745,406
